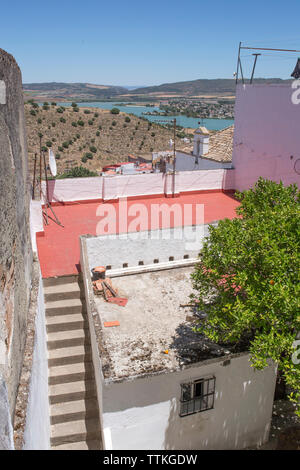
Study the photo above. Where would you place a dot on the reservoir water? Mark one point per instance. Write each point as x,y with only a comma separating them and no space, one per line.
184,121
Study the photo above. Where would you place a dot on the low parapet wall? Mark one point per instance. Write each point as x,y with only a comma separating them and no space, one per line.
152,184
146,250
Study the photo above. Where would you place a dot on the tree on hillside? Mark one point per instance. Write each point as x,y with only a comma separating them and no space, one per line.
247,279
115,111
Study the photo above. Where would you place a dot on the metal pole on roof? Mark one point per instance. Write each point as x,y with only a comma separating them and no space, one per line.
252,75
238,64
268,49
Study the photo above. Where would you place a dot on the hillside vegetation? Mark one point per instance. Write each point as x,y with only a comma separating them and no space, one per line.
199,87
70,91
91,137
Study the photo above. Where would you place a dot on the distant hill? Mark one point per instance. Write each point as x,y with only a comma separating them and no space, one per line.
70,91
198,87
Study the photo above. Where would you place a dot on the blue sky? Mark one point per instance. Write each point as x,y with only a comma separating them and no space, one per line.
146,42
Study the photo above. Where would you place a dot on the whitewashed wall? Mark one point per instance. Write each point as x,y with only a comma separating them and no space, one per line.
187,162
74,189
36,221
143,413
114,187
266,135
146,246
37,428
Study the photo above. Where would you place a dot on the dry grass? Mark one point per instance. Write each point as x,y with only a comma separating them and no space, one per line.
113,143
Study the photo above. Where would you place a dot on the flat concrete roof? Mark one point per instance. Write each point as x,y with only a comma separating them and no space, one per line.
58,249
152,322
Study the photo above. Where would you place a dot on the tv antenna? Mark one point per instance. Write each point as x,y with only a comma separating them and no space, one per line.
38,181
174,148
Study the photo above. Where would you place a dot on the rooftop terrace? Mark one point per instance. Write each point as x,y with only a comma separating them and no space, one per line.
155,332
58,249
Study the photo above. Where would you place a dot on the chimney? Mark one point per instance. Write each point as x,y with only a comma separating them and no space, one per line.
201,142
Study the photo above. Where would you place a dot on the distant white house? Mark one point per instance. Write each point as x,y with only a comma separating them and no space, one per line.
209,152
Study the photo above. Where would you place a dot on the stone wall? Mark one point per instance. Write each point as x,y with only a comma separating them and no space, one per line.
15,243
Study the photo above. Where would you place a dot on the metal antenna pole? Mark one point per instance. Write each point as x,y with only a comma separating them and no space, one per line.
174,158
34,175
256,55
238,64
40,136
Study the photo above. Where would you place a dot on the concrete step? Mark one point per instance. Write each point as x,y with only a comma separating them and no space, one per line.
71,373
63,291
64,307
67,322
74,411
66,339
75,431
55,281
72,391
81,445
72,355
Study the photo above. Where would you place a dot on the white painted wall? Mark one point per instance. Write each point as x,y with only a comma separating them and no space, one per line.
151,184
143,413
37,428
205,179
186,162
74,189
132,185
36,221
266,134
146,246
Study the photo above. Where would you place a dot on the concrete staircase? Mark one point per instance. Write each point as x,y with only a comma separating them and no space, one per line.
72,392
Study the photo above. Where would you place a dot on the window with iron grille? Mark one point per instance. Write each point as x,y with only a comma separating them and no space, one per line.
197,396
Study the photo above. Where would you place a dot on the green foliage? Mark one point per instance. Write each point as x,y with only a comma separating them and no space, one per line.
90,122
87,111
74,124
74,105
78,172
127,119
53,103
62,119
115,111
49,143
65,145
33,112
97,133
88,156
247,278
57,156
93,149
60,109
80,122
39,121
114,123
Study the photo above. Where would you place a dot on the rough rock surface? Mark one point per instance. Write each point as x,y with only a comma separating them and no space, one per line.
15,243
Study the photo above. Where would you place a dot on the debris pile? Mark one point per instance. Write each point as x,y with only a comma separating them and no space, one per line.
103,286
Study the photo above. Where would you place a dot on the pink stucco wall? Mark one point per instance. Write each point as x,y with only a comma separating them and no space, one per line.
266,135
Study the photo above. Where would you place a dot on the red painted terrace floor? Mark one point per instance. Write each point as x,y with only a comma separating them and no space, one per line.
59,251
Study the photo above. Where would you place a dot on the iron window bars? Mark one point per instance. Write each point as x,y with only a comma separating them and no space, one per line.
197,396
